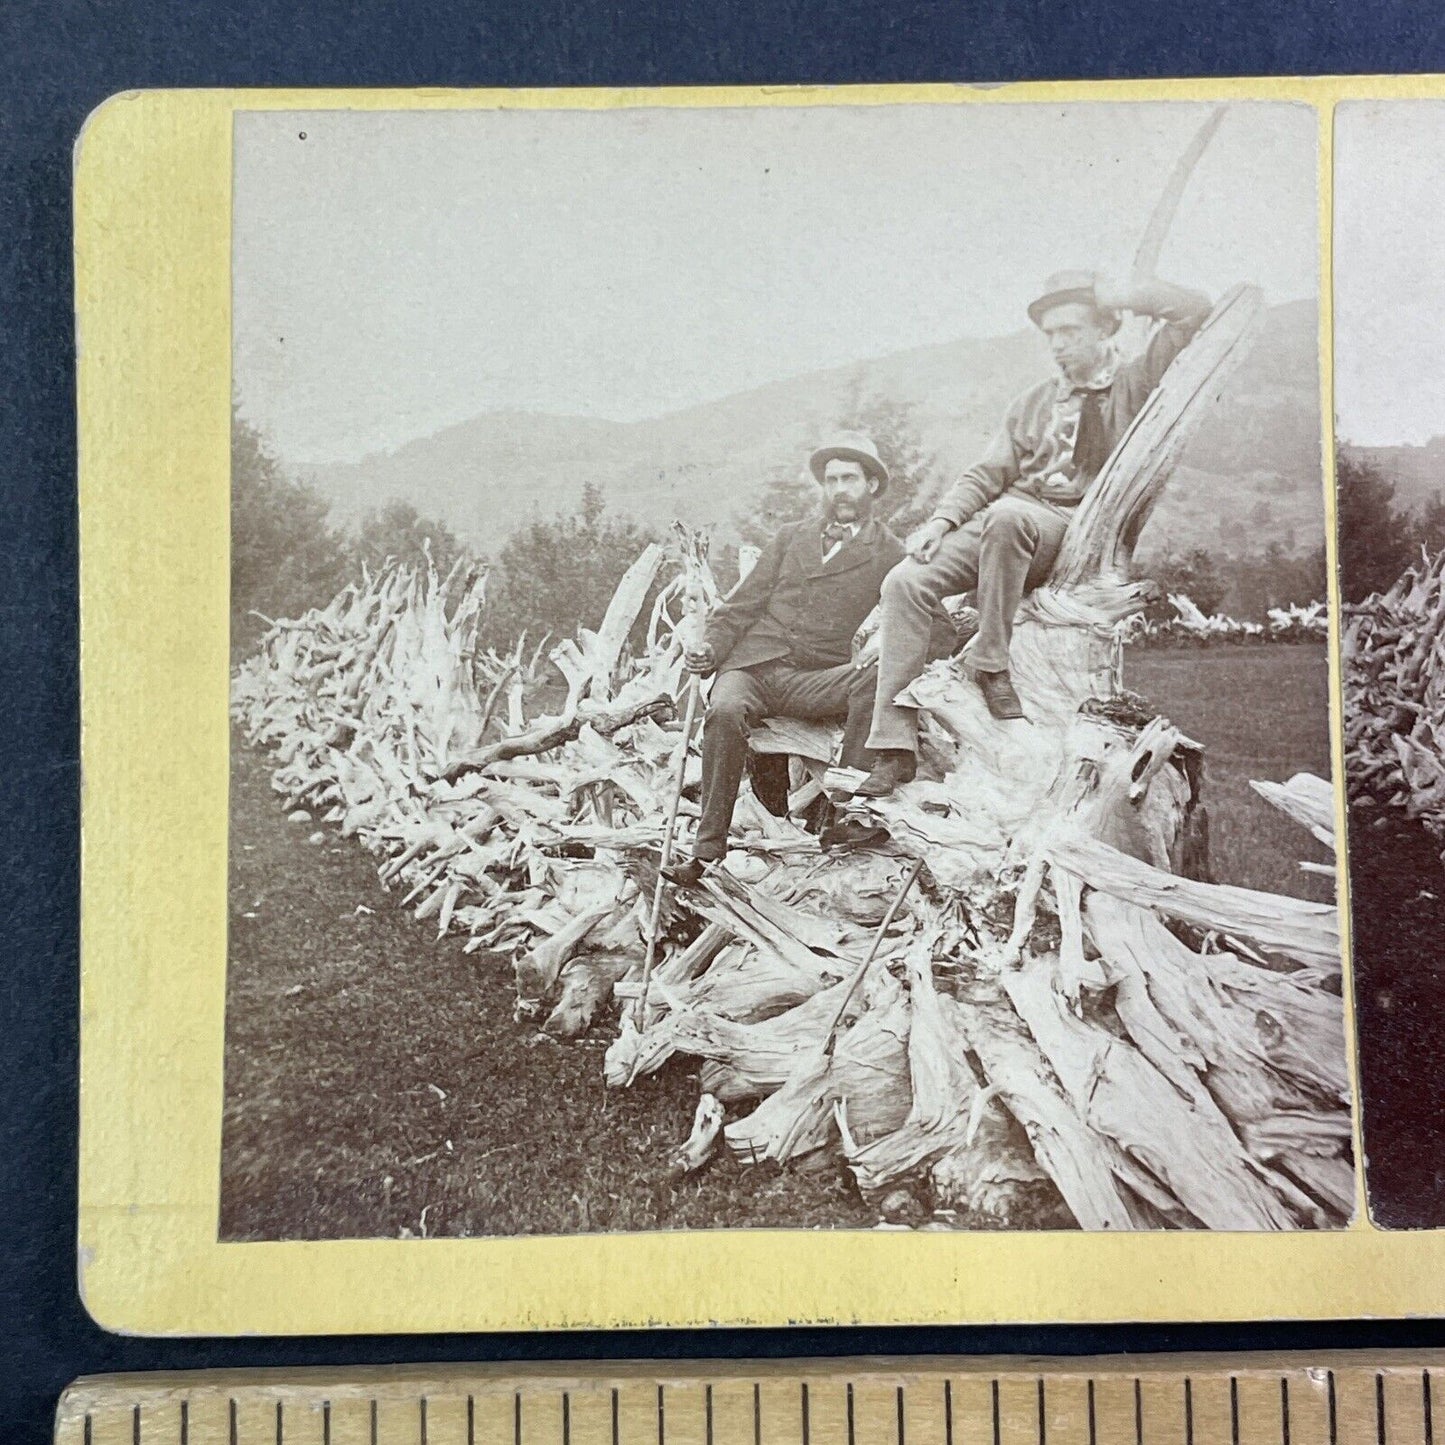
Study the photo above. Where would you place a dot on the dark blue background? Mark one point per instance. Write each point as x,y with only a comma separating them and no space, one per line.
57,61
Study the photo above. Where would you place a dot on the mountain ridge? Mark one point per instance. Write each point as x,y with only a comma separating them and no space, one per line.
1259,450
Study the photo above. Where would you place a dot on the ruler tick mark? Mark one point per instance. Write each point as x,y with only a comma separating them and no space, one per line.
1292,1429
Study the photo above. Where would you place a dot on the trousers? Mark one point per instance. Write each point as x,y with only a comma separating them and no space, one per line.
744,697
1002,552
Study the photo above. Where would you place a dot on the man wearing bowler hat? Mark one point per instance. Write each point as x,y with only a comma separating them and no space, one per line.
997,532
781,644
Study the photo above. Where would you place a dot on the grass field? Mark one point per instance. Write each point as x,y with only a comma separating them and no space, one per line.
377,1085
1261,713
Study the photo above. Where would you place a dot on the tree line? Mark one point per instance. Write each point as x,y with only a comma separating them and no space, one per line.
1243,587
287,556
550,575
1380,537
554,574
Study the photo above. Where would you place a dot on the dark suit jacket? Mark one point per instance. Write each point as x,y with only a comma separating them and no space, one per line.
793,605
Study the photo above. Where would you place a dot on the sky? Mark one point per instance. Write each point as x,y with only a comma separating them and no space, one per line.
397,273
1389,279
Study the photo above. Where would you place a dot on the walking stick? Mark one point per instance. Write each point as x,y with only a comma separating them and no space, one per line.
695,605
873,948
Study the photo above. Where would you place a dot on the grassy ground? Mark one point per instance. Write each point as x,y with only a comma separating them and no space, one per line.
377,1085
1261,713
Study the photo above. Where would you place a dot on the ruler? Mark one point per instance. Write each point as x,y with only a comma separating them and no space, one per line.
1265,1399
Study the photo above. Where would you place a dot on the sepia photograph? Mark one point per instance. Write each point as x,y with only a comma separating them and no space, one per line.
1390,476
780,666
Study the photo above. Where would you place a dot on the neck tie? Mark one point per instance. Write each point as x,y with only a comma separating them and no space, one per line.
835,532
1091,445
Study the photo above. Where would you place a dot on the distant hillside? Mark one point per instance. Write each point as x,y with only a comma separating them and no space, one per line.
1251,476
1418,472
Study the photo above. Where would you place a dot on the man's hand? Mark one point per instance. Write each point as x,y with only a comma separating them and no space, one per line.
922,543
701,659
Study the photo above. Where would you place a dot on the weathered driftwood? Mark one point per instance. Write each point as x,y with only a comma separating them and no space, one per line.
1293,927
604,719
1394,676
1076,1158
584,992
696,1149
1121,1096
1032,1043
954,1129
1309,800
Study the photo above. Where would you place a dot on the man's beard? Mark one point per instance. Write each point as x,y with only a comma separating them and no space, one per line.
840,509
1084,369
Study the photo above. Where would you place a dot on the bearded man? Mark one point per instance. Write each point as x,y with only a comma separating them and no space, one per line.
998,531
781,644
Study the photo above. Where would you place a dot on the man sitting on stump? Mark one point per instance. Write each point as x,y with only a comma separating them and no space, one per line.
998,531
782,643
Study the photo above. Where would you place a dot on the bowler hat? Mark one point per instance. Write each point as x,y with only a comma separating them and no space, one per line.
1064,287
851,446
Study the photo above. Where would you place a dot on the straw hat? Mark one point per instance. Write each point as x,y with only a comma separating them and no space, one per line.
851,446
1064,287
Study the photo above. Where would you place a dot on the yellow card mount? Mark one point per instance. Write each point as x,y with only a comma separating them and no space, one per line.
1225,1399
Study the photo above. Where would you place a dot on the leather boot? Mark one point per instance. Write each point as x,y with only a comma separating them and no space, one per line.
998,692
850,832
892,770
687,872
